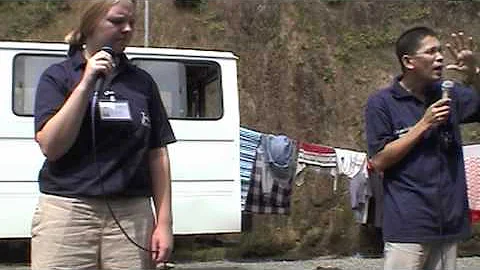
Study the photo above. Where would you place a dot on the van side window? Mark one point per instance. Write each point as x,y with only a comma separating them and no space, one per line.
189,89
26,73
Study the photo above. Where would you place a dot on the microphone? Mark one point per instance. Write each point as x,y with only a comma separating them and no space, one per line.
445,134
99,84
446,87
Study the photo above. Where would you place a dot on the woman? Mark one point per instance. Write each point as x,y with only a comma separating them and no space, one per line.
102,172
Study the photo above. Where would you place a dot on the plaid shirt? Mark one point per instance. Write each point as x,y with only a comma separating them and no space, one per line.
278,199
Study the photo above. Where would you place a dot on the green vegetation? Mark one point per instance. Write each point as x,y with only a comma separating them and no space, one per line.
411,14
197,5
328,75
27,16
352,42
266,242
213,21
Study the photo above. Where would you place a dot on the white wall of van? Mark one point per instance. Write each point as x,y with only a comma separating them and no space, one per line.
199,90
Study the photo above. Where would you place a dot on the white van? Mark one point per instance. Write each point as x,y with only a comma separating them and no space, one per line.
199,90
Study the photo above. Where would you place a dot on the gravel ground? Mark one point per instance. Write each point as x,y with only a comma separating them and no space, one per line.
349,263
322,263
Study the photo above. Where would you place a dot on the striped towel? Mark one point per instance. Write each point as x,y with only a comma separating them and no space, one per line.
249,141
319,155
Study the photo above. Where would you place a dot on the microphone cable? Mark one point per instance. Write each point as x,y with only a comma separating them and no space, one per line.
446,88
98,170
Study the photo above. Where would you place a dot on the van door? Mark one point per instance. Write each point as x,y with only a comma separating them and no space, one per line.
21,157
200,95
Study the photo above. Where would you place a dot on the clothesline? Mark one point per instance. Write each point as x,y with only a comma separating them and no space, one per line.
337,160
363,186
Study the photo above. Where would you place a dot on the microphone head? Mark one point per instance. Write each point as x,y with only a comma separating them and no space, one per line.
447,86
107,48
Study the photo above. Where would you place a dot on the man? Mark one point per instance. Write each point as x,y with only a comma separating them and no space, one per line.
414,138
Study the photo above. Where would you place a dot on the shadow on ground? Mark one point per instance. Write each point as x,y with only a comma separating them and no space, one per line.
15,251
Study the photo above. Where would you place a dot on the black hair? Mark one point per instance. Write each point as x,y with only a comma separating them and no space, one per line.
409,41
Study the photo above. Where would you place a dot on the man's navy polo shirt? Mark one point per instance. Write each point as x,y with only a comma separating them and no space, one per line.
425,197
122,166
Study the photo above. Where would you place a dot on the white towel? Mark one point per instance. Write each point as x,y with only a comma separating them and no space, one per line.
349,162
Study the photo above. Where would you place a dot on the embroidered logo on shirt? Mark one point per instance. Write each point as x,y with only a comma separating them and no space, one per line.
108,93
145,120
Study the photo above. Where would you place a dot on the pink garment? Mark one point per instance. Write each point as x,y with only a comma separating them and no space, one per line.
471,158
472,171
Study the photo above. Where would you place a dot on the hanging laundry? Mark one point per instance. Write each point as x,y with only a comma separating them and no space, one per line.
249,141
375,209
280,153
314,154
350,162
472,171
353,164
310,154
274,169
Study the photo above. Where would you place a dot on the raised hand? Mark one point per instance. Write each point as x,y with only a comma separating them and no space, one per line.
461,50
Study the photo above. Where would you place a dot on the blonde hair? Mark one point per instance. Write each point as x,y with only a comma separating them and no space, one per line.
94,11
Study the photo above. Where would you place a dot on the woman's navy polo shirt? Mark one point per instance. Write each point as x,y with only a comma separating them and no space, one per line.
425,197
122,165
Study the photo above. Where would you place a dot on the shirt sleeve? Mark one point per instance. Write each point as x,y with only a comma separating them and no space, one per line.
468,102
379,131
161,133
50,96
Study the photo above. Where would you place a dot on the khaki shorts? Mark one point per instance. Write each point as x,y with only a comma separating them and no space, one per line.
411,256
72,233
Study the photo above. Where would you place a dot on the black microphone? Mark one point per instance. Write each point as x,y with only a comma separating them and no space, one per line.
99,84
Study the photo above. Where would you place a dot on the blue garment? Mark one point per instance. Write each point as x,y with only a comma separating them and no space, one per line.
249,141
425,198
122,167
268,194
280,154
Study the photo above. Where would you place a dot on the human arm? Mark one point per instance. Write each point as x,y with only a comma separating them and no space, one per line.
461,50
162,237
395,150
60,131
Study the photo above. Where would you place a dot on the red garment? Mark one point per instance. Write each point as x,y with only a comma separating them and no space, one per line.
474,216
316,148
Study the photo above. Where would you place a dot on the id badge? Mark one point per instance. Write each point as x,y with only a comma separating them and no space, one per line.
118,110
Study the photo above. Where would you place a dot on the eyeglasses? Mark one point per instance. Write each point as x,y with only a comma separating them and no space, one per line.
432,51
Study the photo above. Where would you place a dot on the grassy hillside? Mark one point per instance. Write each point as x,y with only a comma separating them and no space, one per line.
314,62
305,69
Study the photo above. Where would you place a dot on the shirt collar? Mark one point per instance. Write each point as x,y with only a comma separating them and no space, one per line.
399,92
